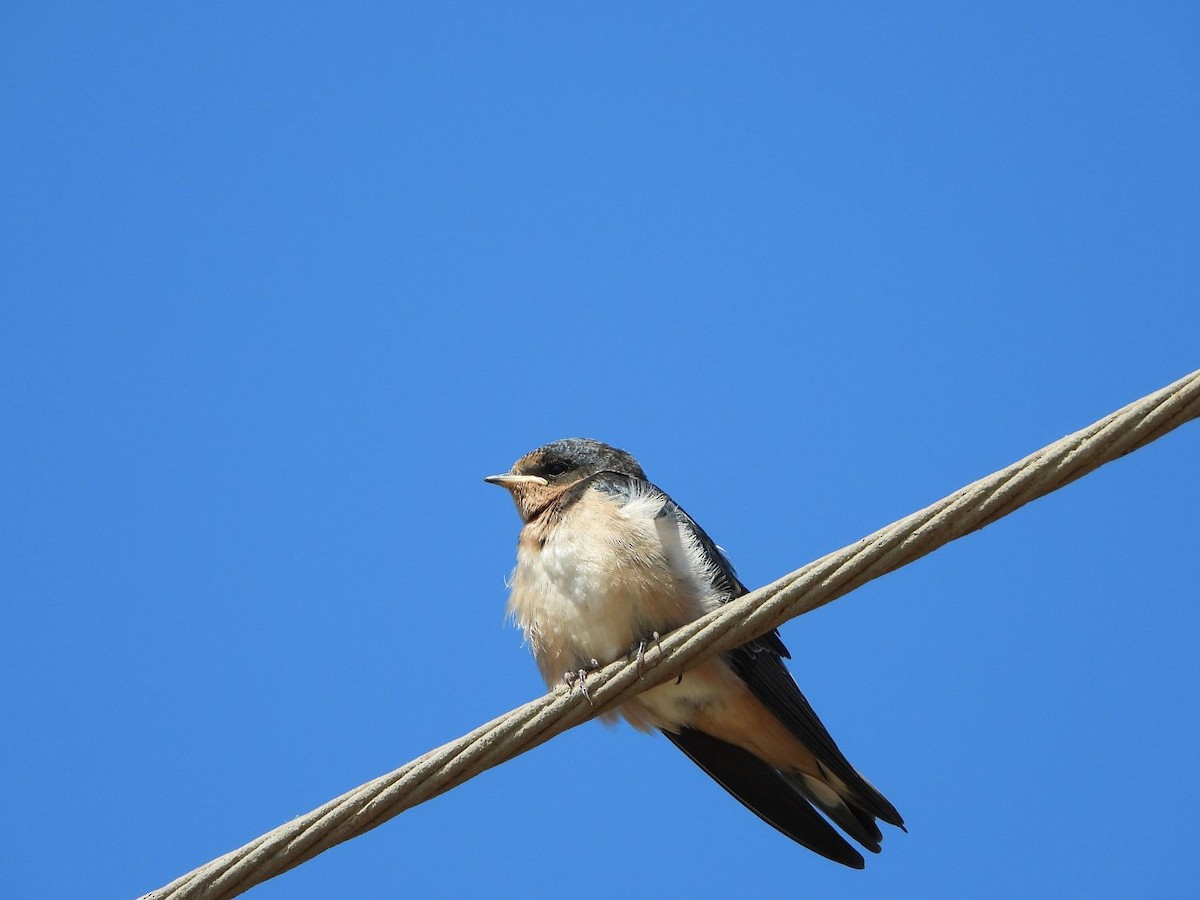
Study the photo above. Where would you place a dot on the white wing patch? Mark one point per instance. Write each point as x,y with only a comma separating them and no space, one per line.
687,557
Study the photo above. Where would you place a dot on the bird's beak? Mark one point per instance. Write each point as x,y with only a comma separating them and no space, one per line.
511,481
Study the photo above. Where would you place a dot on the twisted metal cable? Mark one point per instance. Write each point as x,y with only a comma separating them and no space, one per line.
820,582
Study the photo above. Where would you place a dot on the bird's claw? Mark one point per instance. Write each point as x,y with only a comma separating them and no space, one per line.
579,677
641,651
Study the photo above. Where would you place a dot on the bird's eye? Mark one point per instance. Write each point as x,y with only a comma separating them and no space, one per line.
556,468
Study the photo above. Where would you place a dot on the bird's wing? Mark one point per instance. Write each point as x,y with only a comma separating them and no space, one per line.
759,663
769,680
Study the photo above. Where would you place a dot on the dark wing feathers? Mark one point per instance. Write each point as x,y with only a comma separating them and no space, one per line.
758,664
779,799
767,793
771,682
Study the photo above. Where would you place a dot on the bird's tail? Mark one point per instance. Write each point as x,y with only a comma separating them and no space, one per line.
780,800
837,801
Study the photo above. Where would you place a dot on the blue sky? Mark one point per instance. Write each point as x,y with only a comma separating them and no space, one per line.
281,286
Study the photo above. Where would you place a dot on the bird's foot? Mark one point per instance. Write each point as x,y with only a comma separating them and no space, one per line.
640,650
579,677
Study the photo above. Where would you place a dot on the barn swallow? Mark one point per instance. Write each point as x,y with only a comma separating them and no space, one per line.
607,562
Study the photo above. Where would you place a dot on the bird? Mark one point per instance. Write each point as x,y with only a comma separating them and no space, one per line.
607,562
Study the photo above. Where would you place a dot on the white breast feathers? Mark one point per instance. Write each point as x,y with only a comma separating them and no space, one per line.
611,572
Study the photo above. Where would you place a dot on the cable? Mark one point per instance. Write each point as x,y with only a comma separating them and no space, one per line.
820,582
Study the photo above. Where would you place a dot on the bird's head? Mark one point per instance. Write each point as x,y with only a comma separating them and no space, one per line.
541,476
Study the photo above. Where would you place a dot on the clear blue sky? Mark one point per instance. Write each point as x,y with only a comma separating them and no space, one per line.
282,283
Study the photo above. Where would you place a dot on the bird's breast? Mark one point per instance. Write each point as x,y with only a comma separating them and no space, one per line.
594,583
